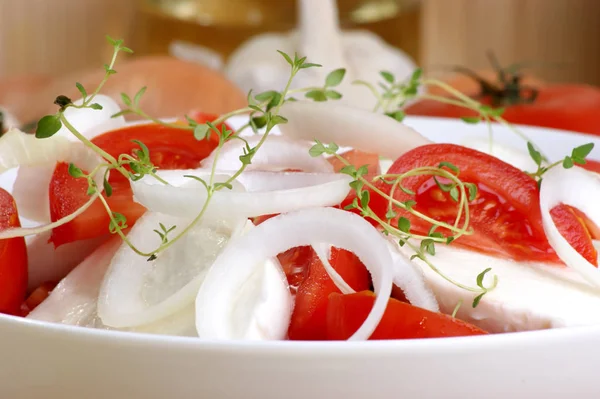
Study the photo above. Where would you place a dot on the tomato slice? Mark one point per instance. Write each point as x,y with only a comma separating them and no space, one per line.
346,313
38,296
309,318
591,165
170,148
13,259
505,216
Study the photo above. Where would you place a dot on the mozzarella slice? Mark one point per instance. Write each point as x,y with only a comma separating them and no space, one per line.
529,296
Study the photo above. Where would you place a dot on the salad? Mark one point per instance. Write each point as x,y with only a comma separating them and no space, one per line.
292,219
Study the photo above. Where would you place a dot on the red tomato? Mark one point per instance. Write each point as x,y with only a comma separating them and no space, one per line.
309,319
346,313
13,259
505,216
591,165
357,159
170,148
38,296
569,107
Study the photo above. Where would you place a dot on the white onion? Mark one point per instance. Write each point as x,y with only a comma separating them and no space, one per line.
323,252
75,153
577,188
31,185
276,153
136,291
47,263
267,193
341,229
74,300
347,126
18,148
409,278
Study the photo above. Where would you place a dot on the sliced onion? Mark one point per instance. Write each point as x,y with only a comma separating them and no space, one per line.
18,148
31,185
409,278
341,229
580,189
74,300
323,251
347,126
136,291
47,263
277,153
263,196
75,153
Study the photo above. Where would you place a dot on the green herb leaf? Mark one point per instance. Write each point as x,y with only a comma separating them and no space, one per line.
286,57
126,100
48,126
75,172
582,151
387,76
428,245
534,154
481,276
496,112
333,95
397,115
276,120
201,132
117,222
144,154
317,150
363,170
332,148
335,77
454,193
138,96
246,159
126,50
107,188
81,90
472,191
356,185
259,122
471,119
266,96
349,170
406,190
450,166
416,75
567,163
309,65
96,106
390,214
403,224
365,197
316,95
409,204
226,185
443,186
478,299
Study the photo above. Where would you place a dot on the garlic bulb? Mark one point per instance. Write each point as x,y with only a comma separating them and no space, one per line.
257,66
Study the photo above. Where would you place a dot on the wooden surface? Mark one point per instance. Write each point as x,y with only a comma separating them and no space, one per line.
564,34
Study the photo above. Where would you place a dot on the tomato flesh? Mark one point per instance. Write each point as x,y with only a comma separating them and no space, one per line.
309,318
346,313
170,148
13,259
568,107
505,216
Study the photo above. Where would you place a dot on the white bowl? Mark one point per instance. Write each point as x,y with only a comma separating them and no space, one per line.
56,361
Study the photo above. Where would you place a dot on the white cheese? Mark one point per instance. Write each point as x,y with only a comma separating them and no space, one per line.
529,296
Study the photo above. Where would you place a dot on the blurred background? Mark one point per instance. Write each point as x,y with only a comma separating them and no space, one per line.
41,40
53,37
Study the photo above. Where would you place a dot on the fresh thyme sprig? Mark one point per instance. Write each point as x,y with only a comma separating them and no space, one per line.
264,113
399,226
577,157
